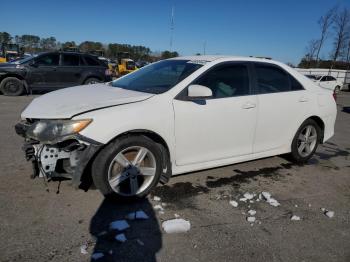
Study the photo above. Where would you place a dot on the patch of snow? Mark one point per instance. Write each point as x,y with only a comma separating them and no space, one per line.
296,205
251,219
273,202
176,215
158,207
156,198
329,214
252,212
120,237
266,195
233,203
119,225
177,225
243,199
248,196
96,256
251,201
164,204
83,249
295,218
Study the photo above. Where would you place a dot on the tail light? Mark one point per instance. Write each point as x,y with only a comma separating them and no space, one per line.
335,95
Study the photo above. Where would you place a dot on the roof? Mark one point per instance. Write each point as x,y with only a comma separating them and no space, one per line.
210,58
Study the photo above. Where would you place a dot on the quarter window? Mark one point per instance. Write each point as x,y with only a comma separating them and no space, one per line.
70,60
226,81
90,61
271,79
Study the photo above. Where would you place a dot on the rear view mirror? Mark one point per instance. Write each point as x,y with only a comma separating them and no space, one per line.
199,91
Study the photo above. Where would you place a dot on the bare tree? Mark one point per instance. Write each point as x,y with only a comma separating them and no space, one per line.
341,28
311,50
325,23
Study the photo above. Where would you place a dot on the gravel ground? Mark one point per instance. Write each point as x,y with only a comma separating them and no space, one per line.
41,222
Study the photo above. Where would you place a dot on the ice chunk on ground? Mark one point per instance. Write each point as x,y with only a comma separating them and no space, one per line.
266,195
243,199
329,214
252,212
156,198
83,249
233,203
248,196
273,202
158,207
177,225
141,215
119,225
295,218
120,237
96,256
251,219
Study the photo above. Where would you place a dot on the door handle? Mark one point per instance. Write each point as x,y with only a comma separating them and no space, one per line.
248,105
303,99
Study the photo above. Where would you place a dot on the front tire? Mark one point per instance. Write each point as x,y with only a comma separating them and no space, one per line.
305,141
11,86
128,168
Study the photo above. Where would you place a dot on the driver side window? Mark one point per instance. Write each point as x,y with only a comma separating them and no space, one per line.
48,60
226,81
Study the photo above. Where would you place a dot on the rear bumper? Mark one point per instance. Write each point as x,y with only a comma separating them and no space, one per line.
66,159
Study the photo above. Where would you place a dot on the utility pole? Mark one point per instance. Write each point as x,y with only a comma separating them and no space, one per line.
171,28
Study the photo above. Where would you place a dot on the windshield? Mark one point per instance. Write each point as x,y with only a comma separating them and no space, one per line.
23,60
159,77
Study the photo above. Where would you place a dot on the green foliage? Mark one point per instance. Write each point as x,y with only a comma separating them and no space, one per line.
34,44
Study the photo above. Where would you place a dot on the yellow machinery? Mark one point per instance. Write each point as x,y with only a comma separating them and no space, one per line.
9,52
125,64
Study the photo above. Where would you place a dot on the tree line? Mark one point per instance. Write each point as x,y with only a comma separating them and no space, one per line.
334,25
35,44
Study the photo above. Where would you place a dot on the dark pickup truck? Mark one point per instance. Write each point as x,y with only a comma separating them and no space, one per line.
51,71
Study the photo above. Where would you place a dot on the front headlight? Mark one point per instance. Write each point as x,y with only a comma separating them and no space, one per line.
52,131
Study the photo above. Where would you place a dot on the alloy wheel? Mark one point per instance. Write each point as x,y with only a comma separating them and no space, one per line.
307,140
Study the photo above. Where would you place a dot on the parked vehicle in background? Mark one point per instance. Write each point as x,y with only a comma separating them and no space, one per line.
327,81
51,71
125,64
172,117
9,52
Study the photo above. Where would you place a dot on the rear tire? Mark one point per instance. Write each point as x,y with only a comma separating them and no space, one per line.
305,141
91,81
12,86
116,179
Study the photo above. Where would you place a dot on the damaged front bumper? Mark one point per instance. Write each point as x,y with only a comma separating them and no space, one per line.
67,158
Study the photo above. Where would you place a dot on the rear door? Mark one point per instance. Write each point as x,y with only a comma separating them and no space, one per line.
70,70
282,104
219,127
43,72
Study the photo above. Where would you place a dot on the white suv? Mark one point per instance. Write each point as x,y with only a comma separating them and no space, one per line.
172,117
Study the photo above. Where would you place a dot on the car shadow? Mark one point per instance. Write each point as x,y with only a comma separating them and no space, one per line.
346,109
144,238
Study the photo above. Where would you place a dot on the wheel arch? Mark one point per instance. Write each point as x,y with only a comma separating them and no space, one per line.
20,77
86,179
91,76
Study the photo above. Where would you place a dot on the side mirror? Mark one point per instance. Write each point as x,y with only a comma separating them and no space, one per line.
199,91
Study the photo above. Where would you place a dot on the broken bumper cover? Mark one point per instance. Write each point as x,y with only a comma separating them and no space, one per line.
65,159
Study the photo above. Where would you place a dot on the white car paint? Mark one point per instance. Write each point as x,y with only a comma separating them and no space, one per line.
220,132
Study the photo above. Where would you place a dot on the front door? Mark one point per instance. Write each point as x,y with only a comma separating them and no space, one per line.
219,127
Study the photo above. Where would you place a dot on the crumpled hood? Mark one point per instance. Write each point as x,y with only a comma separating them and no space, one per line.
68,102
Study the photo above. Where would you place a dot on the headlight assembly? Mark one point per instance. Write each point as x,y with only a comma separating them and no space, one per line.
52,131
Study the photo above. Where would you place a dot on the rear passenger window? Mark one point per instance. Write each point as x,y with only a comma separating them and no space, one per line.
91,61
271,79
226,81
70,60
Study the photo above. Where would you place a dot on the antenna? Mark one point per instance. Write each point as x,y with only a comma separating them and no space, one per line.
171,28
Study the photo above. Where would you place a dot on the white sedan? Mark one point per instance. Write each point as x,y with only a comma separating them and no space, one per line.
172,117
326,81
